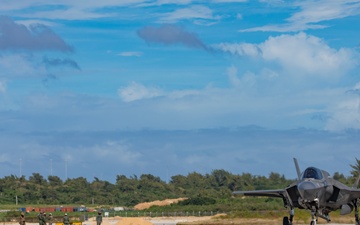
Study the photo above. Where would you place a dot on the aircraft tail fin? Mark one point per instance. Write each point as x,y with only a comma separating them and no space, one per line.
356,182
297,168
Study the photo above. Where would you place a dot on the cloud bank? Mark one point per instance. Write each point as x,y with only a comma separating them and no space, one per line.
27,46
37,37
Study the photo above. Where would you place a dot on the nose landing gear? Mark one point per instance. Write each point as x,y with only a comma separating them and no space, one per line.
287,220
313,216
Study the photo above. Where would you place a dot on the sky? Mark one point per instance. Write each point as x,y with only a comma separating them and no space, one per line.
170,87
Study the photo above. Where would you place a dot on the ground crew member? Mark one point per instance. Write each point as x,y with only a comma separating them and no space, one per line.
22,219
99,218
50,219
66,219
44,219
40,217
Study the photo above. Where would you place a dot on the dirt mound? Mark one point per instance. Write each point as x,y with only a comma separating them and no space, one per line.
219,215
146,205
133,221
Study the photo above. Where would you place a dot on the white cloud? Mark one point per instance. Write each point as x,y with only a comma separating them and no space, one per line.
68,14
29,23
295,72
308,55
345,114
318,11
244,83
232,73
65,9
299,55
137,91
311,14
81,10
190,13
130,54
243,49
284,28
89,10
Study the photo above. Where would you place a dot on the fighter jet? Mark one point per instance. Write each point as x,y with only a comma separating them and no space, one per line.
316,191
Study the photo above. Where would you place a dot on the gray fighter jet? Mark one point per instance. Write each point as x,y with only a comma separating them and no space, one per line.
316,191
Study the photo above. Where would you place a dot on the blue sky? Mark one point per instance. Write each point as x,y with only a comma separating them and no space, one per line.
166,87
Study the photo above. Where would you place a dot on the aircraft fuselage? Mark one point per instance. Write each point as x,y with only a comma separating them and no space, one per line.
315,193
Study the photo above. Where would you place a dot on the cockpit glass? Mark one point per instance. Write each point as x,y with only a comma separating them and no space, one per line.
312,172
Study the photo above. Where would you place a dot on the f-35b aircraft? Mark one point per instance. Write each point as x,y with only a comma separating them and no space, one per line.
316,191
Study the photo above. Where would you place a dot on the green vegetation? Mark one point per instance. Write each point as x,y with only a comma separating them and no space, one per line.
210,192
205,189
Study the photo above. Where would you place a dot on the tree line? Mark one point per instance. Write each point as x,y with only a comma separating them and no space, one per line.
129,191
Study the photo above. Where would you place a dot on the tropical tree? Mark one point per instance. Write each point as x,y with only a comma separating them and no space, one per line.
355,170
340,177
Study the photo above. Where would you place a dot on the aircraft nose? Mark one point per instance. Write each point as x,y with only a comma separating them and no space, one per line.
306,185
307,190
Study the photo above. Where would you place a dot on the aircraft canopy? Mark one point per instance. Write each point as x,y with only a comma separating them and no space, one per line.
312,172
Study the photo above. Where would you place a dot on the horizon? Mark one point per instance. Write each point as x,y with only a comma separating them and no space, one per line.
158,86
202,151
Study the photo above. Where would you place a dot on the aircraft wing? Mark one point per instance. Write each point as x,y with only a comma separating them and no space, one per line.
355,193
351,192
279,193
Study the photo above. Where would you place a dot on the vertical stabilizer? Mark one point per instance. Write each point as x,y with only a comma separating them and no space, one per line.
356,182
297,168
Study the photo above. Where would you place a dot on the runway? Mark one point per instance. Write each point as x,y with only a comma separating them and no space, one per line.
191,219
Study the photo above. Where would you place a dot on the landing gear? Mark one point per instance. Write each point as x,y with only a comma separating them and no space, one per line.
287,221
357,221
313,216
292,213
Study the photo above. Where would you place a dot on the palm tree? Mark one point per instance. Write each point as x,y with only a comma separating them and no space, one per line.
355,170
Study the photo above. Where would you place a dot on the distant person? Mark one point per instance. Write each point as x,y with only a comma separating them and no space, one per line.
40,217
44,219
99,218
22,219
66,219
50,219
